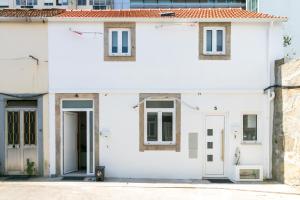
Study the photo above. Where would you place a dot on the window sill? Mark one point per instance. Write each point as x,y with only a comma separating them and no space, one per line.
214,54
119,55
157,144
159,147
119,58
251,143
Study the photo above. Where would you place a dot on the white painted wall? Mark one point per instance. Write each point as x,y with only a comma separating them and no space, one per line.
19,73
119,152
290,9
167,61
163,53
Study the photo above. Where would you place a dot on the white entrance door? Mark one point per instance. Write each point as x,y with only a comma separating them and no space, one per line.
214,144
70,132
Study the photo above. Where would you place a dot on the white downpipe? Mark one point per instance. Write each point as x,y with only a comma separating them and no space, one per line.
271,96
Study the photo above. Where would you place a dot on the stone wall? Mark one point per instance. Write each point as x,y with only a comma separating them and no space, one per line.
286,136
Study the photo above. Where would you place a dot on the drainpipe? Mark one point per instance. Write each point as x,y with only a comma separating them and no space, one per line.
271,96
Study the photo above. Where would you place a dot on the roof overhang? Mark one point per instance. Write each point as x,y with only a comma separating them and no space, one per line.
24,19
158,20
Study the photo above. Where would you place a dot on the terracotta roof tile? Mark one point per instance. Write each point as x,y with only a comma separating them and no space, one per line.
220,13
30,12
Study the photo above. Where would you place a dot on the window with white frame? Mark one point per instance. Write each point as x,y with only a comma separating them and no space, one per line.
159,122
26,2
250,127
214,40
119,42
61,2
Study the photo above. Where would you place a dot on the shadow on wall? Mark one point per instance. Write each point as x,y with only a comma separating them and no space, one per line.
286,134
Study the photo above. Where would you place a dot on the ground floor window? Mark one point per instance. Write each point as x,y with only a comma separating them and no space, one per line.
159,122
249,127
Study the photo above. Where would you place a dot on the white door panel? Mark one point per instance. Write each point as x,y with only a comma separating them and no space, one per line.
70,132
214,145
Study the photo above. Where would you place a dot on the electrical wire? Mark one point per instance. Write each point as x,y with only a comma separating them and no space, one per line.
84,32
283,87
166,97
29,57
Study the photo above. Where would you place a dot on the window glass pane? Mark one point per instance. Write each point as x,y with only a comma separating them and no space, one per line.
18,2
209,40
250,127
21,103
152,125
219,40
209,145
32,123
29,128
62,2
81,2
210,132
209,158
77,104
252,5
167,126
13,129
159,104
124,41
114,41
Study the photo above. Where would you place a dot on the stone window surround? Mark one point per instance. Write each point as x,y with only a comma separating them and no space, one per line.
129,25
227,55
145,147
74,96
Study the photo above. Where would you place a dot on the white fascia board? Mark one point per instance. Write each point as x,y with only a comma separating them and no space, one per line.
169,20
192,91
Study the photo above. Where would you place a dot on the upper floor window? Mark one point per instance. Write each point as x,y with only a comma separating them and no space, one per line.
81,2
26,2
119,42
250,128
159,122
214,40
61,2
252,5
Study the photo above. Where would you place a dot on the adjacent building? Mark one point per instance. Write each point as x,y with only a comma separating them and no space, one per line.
24,92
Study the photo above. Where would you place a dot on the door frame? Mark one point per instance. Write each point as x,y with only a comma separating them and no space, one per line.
21,110
87,111
226,142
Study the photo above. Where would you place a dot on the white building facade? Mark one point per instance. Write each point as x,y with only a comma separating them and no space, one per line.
157,97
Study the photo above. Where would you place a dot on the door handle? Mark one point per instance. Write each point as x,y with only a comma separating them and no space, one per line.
222,144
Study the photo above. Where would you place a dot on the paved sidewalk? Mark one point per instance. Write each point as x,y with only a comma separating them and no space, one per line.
114,189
